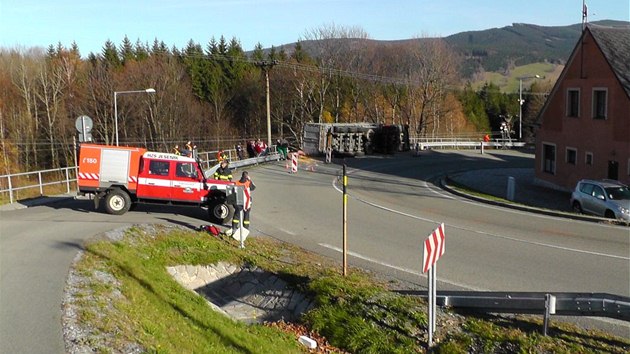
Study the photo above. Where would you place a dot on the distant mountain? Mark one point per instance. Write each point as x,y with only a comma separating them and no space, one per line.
498,49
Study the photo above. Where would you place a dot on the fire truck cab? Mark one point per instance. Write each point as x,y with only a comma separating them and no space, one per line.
124,176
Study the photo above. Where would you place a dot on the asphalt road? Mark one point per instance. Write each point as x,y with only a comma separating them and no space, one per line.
394,204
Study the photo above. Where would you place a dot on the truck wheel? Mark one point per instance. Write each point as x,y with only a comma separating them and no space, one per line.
117,202
219,212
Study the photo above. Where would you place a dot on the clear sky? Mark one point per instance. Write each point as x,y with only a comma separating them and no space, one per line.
29,23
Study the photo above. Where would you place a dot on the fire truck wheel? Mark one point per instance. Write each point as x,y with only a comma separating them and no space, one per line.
117,202
219,212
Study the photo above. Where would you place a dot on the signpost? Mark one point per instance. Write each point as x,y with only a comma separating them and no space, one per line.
433,250
84,126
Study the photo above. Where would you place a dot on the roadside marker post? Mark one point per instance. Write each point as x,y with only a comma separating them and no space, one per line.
433,250
294,163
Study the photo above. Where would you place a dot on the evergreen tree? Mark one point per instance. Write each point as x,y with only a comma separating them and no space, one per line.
127,53
141,50
258,53
74,49
110,55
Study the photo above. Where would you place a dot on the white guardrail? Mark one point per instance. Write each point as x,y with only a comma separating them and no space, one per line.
459,143
11,183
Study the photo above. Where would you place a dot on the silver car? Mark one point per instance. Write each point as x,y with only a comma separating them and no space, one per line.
607,198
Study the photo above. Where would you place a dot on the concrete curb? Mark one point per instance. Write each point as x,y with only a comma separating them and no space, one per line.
445,181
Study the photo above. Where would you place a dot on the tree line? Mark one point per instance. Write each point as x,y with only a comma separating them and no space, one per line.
215,94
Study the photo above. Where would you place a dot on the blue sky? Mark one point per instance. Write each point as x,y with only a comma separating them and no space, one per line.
29,23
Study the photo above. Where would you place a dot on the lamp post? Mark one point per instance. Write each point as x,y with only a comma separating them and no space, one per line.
116,93
520,103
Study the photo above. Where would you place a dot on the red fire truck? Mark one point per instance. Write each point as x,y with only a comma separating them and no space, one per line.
124,176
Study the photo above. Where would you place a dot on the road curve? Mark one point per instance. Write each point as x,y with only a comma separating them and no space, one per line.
37,246
394,205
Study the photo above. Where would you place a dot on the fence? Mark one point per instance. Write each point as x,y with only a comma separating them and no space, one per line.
462,142
12,183
545,303
22,181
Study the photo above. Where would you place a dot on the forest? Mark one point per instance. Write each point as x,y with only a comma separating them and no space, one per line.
215,94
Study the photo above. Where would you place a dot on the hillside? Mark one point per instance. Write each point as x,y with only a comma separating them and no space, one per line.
496,50
499,49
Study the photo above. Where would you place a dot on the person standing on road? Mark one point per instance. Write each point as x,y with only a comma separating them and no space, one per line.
249,186
223,173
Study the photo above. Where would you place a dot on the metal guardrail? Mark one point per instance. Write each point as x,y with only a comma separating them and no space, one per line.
7,182
456,144
41,183
566,304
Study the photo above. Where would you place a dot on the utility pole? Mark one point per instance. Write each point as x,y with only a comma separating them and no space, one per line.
266,65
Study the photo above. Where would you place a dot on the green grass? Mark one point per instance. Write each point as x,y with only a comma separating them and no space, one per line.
132,299
510,84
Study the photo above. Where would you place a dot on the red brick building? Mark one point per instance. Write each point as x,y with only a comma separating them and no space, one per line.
585,122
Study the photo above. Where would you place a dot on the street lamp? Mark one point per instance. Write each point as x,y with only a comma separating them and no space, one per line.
116,93
520,103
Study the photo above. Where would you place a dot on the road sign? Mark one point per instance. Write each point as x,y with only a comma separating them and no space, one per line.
433,248
83,124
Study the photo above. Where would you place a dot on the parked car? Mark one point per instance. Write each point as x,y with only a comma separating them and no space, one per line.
607,198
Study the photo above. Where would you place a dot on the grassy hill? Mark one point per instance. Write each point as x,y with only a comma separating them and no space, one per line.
500,55
500,49
508,81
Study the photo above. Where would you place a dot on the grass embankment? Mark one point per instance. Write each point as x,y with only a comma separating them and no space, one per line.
145,306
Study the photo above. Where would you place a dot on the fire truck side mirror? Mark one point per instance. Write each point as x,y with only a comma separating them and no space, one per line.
235,195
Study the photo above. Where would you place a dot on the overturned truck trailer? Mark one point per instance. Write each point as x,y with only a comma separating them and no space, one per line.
354,139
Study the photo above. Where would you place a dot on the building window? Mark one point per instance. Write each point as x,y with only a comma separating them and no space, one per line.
588,159
549,158
573,103
571,156
600,103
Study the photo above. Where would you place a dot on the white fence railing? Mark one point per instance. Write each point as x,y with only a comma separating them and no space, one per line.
422,144
7,182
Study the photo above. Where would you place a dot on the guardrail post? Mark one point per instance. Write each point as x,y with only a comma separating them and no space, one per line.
550,309
10,190
67,180
41,187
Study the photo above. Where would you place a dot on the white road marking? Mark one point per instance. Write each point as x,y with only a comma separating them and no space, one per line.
402,269
483,232
287,231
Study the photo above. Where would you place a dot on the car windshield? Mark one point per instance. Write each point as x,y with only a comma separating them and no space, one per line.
618,193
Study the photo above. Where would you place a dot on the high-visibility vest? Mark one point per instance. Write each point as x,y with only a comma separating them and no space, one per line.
248,193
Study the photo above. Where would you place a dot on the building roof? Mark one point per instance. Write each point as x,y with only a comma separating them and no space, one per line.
614,42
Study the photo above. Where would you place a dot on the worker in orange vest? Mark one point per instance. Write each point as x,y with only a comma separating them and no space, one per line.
249,186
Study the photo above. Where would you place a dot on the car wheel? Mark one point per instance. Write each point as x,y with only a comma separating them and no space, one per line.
609,214
219,212
117,202
577,207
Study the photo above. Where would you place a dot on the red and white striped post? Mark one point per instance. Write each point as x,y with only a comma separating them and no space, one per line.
433,250
294,162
